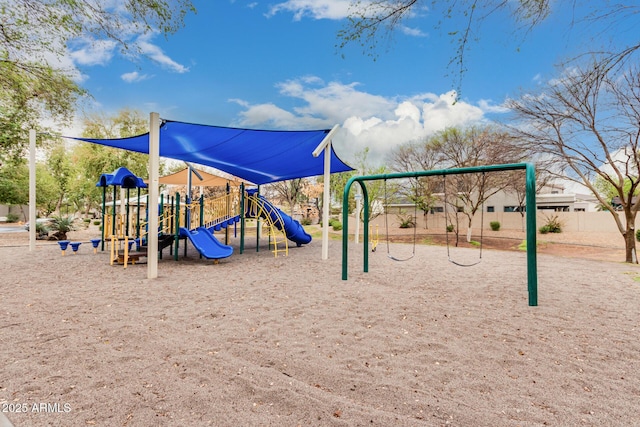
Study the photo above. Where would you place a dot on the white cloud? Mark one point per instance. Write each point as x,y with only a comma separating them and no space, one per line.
92,52
415,32
489,107
157,55
316,9
134,77
338,10
367,120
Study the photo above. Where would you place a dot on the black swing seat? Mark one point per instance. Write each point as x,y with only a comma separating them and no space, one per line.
459,264
401,259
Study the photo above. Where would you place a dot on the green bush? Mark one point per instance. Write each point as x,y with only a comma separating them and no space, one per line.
495,225
61,225
638,235
450,228
42,230
553,225
11,217
305,221
98,222
337,225
406,221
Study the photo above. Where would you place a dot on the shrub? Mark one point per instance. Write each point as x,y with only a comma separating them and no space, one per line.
42,230
553,225
638,235
337,225
495,225
305,221
97,222
11,217
450,228
406,221
61,225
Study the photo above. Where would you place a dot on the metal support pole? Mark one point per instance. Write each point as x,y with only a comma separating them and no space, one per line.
154,178
32,190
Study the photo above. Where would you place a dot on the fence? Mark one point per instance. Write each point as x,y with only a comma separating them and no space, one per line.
600,222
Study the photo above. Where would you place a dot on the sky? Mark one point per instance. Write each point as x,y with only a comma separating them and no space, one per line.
275,65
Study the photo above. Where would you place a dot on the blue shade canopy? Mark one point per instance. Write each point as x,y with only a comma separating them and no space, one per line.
258,156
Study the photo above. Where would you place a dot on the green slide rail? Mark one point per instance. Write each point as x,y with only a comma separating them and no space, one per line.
532,268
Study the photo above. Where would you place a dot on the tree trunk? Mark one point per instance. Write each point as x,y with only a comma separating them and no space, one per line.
630,246
630,237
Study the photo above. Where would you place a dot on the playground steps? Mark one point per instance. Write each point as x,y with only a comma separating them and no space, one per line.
132,256
164,241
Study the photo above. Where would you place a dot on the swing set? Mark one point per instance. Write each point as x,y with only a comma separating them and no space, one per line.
532,272
415,228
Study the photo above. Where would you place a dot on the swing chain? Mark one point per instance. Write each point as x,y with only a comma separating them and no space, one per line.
386,223
444,177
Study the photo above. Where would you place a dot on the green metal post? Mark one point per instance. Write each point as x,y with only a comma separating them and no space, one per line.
113,210
226,229
345,225
126,227
257,222
104,212
161,216
532,262
177,219
242,217
201,210
138,217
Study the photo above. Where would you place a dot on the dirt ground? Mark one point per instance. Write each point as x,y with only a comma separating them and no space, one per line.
257,340
581,248
592,245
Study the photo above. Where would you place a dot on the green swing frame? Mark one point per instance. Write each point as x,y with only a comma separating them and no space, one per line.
530,198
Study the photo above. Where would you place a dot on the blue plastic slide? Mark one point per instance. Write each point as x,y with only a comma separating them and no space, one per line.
292,228
205,242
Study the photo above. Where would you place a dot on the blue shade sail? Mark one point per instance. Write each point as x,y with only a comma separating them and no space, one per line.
258,156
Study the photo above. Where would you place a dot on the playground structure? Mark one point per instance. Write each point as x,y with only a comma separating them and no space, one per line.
195,220
530,198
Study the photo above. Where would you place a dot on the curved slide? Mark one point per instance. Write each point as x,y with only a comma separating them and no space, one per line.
292,228
205,242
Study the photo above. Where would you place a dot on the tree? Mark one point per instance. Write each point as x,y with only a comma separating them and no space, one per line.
418,156
61,170
474,146
289,191
314,191
14,186
376,190
371,22
34,39
588,121
92,160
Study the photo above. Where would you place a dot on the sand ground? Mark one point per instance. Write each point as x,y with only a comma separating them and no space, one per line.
263,341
